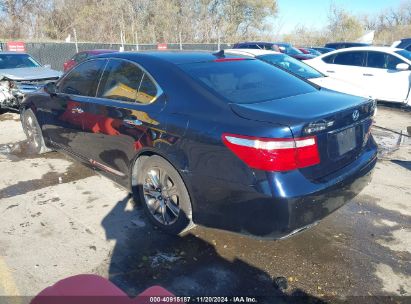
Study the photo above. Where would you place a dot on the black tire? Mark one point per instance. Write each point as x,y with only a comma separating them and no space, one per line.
33,132
170,194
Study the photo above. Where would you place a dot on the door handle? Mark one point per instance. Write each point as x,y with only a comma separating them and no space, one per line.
132,122
367,74
330,71
77,110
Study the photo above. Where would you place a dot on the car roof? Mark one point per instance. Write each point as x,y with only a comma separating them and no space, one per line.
13,53
263,42
322,47
98,51
386,49
175,57
259,42
347,42
250,52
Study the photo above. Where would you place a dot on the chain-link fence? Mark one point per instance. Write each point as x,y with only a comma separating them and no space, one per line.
55,54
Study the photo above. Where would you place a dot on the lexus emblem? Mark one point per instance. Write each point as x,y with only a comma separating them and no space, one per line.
355,115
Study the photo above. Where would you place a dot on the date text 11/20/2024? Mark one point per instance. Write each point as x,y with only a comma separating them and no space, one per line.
188,300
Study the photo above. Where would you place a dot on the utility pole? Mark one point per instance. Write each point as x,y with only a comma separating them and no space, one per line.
218,40
75,39
181,44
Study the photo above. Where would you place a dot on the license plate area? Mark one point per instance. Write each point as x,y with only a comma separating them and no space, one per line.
344,141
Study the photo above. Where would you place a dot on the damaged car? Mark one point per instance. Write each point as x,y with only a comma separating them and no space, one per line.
21,74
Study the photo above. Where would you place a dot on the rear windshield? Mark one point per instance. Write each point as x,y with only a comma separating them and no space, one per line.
247,81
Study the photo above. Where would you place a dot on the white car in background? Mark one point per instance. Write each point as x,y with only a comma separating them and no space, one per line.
300,69
383,72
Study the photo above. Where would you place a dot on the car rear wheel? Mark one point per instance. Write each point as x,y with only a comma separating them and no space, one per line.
33,132
164,195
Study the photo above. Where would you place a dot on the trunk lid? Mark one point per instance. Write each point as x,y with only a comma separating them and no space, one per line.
340,122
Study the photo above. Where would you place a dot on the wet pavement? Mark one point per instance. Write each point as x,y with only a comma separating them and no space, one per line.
59,218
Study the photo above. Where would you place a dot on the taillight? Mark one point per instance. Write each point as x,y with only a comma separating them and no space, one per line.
274,154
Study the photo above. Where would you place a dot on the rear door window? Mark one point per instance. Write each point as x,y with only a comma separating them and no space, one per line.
247,81
83,79
350,58
125,81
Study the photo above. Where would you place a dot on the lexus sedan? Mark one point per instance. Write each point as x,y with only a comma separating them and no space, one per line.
214,139
382,72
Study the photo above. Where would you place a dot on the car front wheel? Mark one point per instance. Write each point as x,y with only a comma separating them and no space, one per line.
33,132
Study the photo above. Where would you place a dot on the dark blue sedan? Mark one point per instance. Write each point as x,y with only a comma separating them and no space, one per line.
209,138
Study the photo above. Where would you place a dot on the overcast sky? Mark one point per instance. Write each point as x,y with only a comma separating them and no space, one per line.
313,13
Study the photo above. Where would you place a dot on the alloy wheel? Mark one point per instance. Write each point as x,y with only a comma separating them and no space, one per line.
161,196
32,131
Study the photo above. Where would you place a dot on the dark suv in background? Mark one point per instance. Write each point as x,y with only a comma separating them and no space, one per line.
282,47
404,43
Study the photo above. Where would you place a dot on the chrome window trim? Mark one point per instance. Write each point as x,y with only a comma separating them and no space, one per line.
72,70
145,72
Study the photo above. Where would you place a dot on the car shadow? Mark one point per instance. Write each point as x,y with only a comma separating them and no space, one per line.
187,266
403,163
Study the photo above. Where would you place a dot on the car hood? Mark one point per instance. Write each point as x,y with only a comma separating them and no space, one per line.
29,74
340,86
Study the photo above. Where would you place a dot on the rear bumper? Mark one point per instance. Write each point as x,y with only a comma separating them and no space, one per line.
281,204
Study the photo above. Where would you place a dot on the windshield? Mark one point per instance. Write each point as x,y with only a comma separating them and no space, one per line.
13,61
404,53
314,52
290,64
291,50
247,81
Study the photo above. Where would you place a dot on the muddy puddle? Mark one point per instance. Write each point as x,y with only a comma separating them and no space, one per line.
339,257
390,140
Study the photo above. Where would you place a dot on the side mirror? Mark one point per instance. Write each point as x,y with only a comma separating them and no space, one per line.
402,67
47,66
50,88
